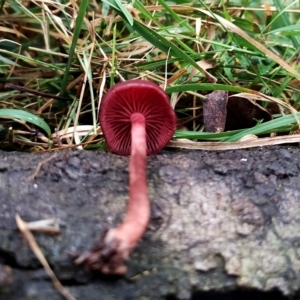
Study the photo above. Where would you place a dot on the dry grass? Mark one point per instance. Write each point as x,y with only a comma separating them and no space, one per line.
57,60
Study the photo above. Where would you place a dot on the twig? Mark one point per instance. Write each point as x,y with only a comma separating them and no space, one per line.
35,92
49,225
40,164
28,236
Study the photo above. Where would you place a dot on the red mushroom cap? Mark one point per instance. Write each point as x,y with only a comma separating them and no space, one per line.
136,96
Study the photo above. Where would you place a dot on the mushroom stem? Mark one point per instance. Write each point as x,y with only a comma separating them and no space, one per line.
127,234
110,255
138,209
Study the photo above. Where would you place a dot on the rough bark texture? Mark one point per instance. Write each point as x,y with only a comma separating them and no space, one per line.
220,221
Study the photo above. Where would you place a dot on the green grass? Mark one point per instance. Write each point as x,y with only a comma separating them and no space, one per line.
67,55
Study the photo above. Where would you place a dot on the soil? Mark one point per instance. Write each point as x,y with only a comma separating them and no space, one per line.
224,225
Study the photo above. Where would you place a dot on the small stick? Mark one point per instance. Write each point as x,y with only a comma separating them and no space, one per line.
35,92
48,225
23,227
40,164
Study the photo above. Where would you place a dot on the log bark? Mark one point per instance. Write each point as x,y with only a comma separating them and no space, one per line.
220,221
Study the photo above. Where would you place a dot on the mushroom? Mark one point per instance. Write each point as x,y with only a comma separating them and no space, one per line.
136,118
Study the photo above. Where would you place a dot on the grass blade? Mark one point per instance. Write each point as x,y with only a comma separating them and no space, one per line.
163,44
264,127
78,26
256,44
285,20
287,30
25,116
207,87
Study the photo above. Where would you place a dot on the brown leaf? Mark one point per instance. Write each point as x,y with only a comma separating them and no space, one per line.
214,111
204,64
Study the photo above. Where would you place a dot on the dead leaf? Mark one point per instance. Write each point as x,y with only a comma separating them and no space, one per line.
204,65
220,146
214,111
